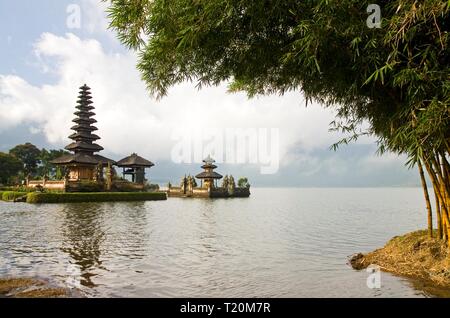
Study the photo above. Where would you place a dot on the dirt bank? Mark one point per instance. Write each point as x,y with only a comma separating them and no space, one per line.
31,288
413,255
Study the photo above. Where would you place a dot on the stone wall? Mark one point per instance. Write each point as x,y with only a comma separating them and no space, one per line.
46,184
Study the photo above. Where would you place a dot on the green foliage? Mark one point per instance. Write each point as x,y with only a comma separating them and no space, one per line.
243,183
27,159
9,167
46,167
29,155
85,186
396,78
17,189
11,195
35,197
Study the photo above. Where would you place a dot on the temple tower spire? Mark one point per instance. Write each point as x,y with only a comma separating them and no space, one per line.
83,138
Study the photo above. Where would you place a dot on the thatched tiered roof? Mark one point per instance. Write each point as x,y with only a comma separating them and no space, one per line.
83,137
209,175
83,146
209,166
134,161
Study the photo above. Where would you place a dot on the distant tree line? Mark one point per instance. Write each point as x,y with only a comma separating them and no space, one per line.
26,160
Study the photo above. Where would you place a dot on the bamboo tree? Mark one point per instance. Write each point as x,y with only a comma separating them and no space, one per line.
427,199
438,212
398,80
440,192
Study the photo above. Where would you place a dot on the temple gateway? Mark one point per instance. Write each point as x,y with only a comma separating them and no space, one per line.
85,169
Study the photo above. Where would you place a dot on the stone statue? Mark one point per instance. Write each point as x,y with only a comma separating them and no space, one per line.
67,175
98,175
109,175
189,183
183,184
231,185
225,182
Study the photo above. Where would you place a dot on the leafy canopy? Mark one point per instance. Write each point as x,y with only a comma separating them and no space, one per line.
29,155
9,167
396,77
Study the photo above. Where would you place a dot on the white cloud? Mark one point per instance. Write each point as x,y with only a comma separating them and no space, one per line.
129,120
95,19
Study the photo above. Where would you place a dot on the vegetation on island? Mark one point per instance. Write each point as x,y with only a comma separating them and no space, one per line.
395,78
69,197
39,197
26,160
243,183
11,195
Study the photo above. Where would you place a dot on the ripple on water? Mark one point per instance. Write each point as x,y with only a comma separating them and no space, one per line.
277,243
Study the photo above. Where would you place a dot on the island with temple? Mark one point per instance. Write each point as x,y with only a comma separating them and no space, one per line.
209,187
85,170
86,175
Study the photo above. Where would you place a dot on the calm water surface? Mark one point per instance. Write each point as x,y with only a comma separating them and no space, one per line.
277,243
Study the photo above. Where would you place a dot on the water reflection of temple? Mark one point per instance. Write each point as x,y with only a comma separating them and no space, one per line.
100,239
83,235
209,187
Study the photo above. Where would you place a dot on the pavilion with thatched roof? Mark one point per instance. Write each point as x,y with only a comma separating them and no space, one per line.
134,166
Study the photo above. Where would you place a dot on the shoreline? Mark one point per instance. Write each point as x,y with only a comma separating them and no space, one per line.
29,287
413,255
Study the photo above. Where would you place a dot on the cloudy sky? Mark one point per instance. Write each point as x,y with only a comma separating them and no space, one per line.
46,57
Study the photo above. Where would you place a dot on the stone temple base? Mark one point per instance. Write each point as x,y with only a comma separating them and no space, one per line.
208,193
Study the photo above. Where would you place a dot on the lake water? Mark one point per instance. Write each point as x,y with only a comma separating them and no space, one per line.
289,242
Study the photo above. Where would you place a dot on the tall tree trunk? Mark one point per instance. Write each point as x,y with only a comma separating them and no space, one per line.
438,171
427,199
438,212
442,197
445,171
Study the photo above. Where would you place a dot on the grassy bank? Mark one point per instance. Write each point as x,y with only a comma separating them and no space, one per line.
414,255
11,195
36,197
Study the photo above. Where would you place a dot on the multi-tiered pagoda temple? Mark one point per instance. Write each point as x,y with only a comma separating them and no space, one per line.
84,164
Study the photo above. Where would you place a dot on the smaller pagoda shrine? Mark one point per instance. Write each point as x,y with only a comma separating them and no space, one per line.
209,177
208,187
134,166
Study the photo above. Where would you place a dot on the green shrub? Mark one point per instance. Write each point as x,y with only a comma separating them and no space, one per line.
85,186
11,195
36,197
243,183
16,189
